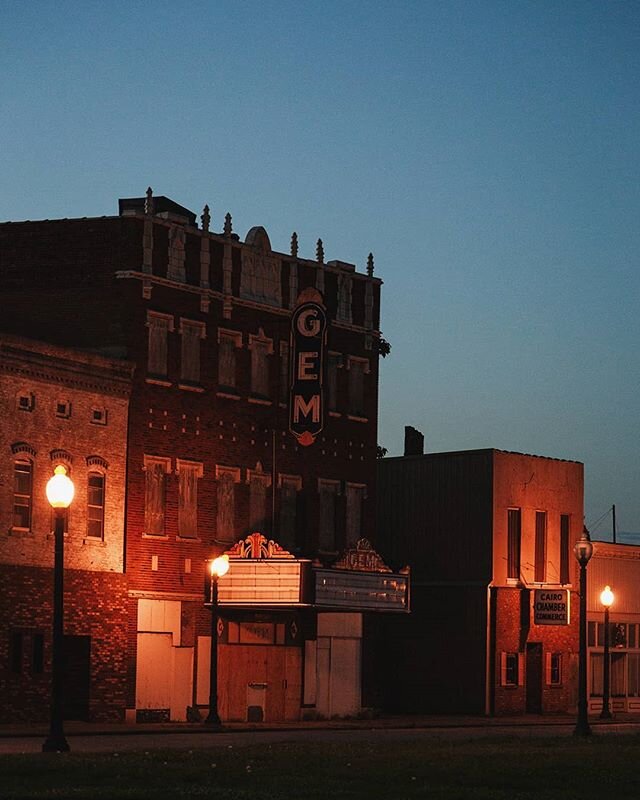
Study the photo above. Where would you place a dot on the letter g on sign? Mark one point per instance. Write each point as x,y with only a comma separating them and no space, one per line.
308,322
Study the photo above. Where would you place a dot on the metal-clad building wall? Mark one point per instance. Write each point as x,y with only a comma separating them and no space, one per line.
435,513
617,566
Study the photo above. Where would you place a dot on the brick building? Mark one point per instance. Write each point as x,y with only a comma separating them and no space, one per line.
57,406
489,536
219,447
618,566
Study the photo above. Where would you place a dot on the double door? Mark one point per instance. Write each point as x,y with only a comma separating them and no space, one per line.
259,683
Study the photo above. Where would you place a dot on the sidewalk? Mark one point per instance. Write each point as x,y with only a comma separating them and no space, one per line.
74,728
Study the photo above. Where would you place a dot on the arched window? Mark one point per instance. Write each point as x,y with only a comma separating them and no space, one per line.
95,505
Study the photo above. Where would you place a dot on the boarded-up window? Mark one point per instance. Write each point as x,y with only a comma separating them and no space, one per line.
541,547
564,549
155,491
513,543
332,381
289,488
159,326
227,344
225,518
344,298
284,381
355,497
188,474
328,507
258,482
260,350
356,387
192,333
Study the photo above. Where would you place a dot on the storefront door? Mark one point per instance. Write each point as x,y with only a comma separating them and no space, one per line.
534,678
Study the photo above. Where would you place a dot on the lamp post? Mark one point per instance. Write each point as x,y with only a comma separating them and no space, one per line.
606,598
218,567
60,492
583,550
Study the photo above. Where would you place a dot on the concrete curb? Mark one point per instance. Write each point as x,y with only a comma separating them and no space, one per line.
13,731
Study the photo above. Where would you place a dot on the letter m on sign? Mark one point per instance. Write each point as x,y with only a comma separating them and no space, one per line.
305,407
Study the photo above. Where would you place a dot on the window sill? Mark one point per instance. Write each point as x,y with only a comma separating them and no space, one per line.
20,532
356,418
335,414
158,381
94,541
191,387
158,537
188,538
228,395
259,401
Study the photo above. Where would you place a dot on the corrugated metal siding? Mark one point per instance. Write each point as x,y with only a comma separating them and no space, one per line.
622,573
435,514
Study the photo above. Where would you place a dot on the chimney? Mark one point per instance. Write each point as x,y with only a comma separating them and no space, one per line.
413,441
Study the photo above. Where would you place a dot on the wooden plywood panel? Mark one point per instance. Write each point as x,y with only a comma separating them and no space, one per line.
323,673
293,686
182,683
276,684
345,692
202,670
154,681
310,671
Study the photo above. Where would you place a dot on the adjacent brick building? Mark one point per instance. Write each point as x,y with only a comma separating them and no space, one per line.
211,456
60,406
494,623
618,566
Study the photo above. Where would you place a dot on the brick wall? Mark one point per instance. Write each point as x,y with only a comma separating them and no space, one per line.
95,606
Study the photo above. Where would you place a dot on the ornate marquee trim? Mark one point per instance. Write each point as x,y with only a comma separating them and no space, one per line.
257,546
362,558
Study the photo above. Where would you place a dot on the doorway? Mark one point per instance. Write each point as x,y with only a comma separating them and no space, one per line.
77,677
534,678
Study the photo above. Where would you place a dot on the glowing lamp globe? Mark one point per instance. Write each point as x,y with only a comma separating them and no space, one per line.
606,597
220,566
60,488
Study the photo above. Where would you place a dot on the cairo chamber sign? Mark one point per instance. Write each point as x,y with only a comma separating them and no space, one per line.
551,607
308,338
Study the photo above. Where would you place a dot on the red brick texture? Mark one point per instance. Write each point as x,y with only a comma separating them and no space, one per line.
95,606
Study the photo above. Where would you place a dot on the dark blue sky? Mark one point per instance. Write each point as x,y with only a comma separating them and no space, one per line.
487,152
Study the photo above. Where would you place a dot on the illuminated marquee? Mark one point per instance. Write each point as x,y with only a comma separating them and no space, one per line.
361,580
308,339
261,573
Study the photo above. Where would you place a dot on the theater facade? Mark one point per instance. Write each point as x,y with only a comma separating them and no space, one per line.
251,430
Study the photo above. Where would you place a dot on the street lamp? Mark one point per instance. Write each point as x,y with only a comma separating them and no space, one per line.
606,598
60,492
583,550
218,567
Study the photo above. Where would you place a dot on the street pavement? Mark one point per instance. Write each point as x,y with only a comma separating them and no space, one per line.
120,738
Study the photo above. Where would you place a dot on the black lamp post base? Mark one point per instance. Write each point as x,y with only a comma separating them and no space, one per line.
55,744
213,721
606,714
582,729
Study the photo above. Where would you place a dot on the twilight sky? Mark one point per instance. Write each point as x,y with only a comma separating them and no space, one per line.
486,152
